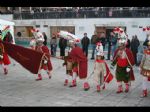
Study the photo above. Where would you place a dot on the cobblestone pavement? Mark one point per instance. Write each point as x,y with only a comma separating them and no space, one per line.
19,88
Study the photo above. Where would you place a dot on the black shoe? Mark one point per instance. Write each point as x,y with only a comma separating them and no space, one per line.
73,85
92,58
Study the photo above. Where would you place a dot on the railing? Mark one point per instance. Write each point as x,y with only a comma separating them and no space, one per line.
83,14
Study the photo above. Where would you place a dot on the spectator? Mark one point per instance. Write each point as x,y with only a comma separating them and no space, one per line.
134,47
109,44
8,38
93,43
53,45
110,13
145,42
114,44
45,39
62,46
85,44
103,40
128,44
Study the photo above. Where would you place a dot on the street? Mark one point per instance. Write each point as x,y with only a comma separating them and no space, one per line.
19,88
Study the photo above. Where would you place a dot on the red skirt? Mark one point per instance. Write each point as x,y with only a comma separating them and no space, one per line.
5,59
47,66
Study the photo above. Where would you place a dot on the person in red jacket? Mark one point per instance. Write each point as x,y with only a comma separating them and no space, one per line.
4,59
45,63
76,58
123,58
78,62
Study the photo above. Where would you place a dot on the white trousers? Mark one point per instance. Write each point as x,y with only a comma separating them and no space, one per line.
74,76
4,66
144,83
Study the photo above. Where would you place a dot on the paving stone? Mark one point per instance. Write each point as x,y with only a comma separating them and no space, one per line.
19,88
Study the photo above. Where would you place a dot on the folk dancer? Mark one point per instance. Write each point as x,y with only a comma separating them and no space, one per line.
124,60
101,71
78,63
40,47
76,57
145,69
4,59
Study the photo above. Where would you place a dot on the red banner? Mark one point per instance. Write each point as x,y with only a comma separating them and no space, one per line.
28,58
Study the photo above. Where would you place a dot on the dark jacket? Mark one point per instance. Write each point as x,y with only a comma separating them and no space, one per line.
109,40
102,40
85,42
62,43
8,38
53,41
128,44
93,39
134,45
45,40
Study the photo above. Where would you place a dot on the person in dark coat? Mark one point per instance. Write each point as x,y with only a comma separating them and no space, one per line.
85,44
128,44
93,43
62,46
53,45
114,44
109,44
103,40
134,47
45,39
8,38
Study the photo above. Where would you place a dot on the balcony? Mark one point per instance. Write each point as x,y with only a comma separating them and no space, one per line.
83,14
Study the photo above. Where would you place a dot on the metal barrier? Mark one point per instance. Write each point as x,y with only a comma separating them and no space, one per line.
83,14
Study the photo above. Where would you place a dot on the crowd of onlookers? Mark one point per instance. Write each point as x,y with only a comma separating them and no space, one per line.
50,9
77,12
109,43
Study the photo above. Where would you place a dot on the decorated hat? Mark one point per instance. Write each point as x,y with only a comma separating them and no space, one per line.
71,37
38,35
99,49
122,36
146,29
122,39
118,30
